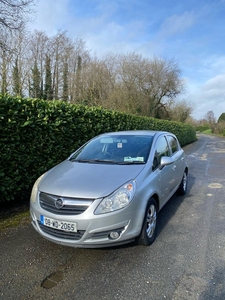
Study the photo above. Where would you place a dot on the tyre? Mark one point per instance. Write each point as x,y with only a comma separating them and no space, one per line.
183,185
148,232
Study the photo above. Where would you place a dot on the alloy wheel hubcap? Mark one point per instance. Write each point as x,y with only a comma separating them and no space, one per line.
151,221
185,181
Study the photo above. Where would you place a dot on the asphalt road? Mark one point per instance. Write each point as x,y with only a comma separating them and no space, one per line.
187,260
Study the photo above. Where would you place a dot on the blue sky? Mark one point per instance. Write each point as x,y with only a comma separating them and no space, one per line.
190,32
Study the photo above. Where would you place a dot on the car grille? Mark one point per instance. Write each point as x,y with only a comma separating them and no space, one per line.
67,206
61,234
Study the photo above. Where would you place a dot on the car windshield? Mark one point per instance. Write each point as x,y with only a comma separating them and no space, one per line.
124,149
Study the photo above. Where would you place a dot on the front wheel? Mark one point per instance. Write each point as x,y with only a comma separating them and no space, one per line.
183,185
148,232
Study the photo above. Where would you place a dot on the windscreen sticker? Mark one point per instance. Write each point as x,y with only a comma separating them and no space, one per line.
119,145
129,158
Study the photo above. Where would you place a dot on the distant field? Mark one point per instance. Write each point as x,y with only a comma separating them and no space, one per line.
208,131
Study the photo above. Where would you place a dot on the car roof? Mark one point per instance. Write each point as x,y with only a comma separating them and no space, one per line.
136,132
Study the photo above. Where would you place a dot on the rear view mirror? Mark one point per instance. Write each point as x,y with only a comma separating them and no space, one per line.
165,161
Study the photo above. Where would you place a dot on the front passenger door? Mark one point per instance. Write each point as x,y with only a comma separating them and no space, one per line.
178,158
166,175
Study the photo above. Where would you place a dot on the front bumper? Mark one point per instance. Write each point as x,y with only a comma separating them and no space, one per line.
93,231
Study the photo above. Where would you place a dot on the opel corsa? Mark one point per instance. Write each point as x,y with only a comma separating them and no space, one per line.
110,190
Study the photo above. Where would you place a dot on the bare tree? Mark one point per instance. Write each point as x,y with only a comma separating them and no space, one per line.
58,68
78,61
220,128
210,117
60,48
37,49
146,86
163,84
211,120
6,62
96,82
180,111
130,78
14,14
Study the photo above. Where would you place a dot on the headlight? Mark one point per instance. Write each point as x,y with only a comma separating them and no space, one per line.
35,189
119,199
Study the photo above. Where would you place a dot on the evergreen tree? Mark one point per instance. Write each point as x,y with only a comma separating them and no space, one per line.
221,118
4,77
78,78
65,82
35,90
16,80
42,89
48,79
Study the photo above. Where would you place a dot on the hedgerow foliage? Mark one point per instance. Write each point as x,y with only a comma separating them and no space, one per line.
37,134
221,118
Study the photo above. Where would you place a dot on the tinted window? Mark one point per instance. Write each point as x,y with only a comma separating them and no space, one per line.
161,149
173,144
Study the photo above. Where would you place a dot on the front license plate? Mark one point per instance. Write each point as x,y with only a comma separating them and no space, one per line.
66,226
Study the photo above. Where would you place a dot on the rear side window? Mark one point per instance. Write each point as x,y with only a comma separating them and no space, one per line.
173,144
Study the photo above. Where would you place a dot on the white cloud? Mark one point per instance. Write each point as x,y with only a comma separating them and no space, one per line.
177,24
50,16
209,97
215,85
212,65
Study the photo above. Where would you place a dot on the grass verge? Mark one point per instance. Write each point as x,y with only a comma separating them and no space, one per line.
14,217
208,131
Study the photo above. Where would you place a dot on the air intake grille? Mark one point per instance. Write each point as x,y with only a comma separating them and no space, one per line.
63,205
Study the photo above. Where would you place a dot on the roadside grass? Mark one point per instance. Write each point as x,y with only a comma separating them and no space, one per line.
208,131
14,218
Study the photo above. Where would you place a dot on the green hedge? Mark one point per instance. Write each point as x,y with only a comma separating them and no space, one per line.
37,134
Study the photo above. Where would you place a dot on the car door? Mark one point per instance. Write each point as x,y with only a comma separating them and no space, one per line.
178,157
166,175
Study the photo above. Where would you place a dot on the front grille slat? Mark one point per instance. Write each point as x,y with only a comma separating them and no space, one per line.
71,206
61,233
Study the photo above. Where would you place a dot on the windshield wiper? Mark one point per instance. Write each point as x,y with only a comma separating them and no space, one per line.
133,162
79,160
107,161
94,161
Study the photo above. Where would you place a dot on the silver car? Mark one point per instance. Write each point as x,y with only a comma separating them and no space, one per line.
110,190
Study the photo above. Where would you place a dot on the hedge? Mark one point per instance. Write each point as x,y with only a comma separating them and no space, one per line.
37,134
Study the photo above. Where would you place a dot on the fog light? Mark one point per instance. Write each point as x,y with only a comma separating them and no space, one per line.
114,235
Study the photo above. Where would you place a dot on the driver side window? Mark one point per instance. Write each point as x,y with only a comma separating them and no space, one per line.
161,149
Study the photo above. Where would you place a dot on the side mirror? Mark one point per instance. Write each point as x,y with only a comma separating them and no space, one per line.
165,161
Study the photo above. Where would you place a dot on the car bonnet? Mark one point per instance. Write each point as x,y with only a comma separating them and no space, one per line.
87,180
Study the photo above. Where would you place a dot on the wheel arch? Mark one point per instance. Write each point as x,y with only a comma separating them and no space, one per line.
156,197
143,238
